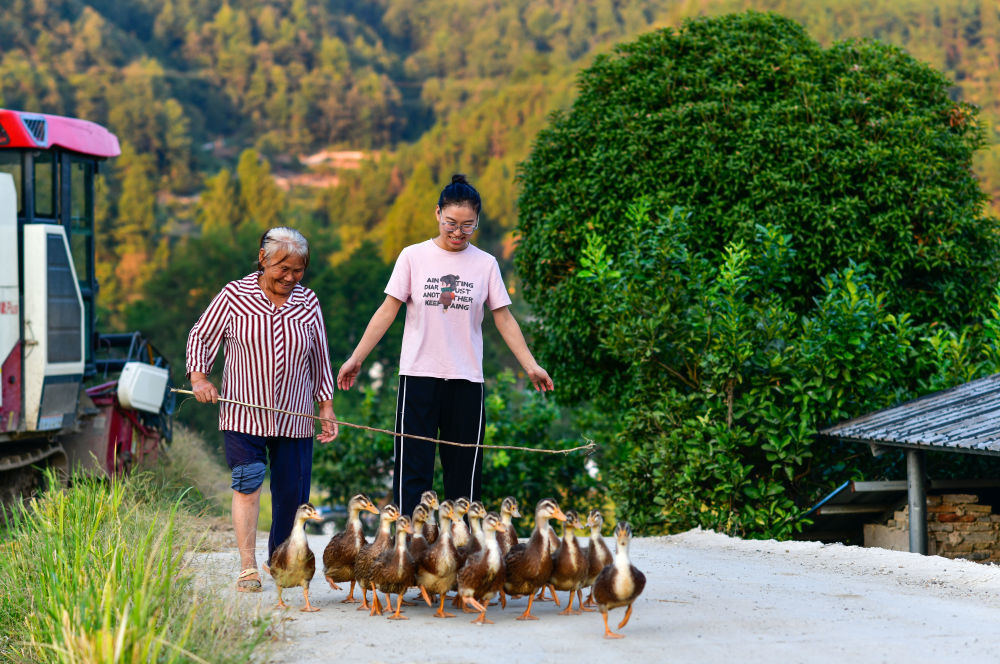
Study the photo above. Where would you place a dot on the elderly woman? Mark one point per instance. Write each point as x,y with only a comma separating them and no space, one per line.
276,355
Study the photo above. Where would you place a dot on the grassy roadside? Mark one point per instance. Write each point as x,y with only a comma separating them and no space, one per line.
94,572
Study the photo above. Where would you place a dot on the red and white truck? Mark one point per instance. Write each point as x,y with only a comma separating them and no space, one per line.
69,396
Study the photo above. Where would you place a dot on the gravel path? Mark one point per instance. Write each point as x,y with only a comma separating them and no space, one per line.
708,598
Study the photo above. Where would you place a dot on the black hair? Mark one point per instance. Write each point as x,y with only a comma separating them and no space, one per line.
460,192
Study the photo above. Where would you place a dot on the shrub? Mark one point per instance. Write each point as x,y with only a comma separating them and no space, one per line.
736,238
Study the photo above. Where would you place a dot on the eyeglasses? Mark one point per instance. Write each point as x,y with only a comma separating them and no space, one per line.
467,229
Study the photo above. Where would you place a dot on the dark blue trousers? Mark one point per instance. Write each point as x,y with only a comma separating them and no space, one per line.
290,461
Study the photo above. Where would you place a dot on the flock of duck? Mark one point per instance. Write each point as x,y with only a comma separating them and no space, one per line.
478,561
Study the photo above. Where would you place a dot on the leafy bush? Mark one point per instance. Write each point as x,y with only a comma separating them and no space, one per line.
857,151
522,417
829,230
728,383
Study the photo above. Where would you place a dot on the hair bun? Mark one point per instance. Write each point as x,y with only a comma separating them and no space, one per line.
459,178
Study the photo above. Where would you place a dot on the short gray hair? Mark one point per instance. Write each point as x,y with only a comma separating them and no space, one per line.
286,240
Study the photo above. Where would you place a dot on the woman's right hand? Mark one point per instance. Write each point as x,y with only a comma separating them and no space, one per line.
348,373
203,389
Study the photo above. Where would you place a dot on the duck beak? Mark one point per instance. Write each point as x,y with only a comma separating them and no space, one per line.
371,508
559,515
501,528
315,516
516,513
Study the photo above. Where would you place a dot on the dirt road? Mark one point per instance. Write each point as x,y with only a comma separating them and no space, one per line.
708,598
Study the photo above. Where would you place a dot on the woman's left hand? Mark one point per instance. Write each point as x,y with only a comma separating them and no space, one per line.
328,423
539,377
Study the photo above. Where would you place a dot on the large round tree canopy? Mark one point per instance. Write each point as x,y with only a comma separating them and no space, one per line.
856,151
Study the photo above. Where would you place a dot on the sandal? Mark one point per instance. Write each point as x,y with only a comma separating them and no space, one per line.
245,584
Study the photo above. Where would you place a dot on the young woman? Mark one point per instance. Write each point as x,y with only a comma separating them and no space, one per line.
447,285
276,356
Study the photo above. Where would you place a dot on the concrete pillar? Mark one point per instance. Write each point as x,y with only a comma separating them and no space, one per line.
916,489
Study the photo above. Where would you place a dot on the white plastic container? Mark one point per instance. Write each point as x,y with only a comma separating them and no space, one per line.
142,386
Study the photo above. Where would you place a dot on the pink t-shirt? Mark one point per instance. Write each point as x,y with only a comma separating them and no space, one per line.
446,294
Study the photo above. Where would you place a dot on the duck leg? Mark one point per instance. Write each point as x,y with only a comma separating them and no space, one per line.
399,605
308,608
441,613
280,604
470,601
569,606
334,586
364,599
376,605
350,596
590,598
459,602
527,612
608,634
628,614
541,594
582,606
481,619
427,598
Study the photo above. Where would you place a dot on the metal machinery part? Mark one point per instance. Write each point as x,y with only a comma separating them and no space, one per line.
58,400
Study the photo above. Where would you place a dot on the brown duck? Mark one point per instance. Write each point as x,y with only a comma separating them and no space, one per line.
508,512
553,543
437,568
482,576
370,552
293,563
460,534
429,499
341,552
418,540
393,571
620,583
598,554
569,563
529,564
476,513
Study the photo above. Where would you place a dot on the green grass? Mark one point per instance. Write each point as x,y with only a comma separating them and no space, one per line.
95,573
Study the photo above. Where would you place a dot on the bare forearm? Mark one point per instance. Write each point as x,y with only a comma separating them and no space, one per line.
512,335
514,338
377,327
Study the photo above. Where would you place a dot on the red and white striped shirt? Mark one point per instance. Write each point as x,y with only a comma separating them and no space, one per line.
275,357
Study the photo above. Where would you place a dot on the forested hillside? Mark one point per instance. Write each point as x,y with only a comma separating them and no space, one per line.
424,87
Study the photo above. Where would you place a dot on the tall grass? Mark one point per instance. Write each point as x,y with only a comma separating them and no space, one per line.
94,573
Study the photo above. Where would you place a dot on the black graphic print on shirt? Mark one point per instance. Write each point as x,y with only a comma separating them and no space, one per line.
448,292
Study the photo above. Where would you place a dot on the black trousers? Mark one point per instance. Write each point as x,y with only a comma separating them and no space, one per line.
445,409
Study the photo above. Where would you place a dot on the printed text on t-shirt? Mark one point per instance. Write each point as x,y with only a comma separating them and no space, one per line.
448,292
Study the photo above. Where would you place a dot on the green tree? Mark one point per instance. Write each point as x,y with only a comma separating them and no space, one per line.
737,237
219,210
856,150
261,199
135,230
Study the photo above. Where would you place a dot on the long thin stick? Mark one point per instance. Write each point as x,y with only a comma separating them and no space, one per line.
589,446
